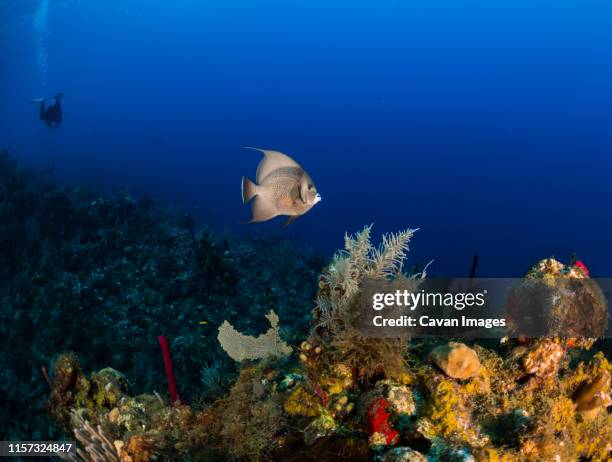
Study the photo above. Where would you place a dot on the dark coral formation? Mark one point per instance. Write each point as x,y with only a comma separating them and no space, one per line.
105,276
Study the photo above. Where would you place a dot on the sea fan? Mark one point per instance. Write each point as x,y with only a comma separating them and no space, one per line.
240,347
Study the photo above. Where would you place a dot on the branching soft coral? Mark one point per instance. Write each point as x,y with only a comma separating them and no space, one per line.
360,260
338,303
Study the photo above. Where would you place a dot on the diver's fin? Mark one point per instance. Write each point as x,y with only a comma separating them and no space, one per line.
290,220
262,210
36,100
249,190
272,160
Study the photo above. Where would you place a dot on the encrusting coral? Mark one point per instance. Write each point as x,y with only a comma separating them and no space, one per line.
456,360
346,396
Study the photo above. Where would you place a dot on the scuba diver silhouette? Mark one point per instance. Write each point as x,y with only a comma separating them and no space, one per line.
52,115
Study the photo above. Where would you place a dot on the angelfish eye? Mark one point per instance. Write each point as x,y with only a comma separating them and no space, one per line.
310,187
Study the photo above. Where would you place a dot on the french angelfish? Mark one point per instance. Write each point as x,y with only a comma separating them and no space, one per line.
282,188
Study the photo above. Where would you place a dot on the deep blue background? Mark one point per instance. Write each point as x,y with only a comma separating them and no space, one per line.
487,124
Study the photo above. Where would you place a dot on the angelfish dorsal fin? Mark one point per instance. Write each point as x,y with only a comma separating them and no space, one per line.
272,160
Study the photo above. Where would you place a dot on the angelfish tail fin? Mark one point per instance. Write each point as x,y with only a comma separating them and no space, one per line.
249,190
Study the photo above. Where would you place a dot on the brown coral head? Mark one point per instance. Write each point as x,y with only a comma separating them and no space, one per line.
67,380
588,395
456,360
557,303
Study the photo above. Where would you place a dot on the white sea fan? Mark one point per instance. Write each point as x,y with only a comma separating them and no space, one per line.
240,347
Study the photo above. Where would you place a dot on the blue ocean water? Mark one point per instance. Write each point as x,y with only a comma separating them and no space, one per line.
488,125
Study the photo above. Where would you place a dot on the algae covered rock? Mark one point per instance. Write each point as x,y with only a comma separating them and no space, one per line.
139,448
456,360
542,359
557,300
324,425
338,379
108,387
68,384
300,402
591,395
403,454
401,399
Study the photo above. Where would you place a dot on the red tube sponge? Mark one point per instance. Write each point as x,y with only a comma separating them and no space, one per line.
163,343
381,431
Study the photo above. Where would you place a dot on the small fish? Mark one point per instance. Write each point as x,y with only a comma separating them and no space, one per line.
283,188
203,322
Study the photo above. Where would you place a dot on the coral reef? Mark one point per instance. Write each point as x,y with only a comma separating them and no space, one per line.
423,399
